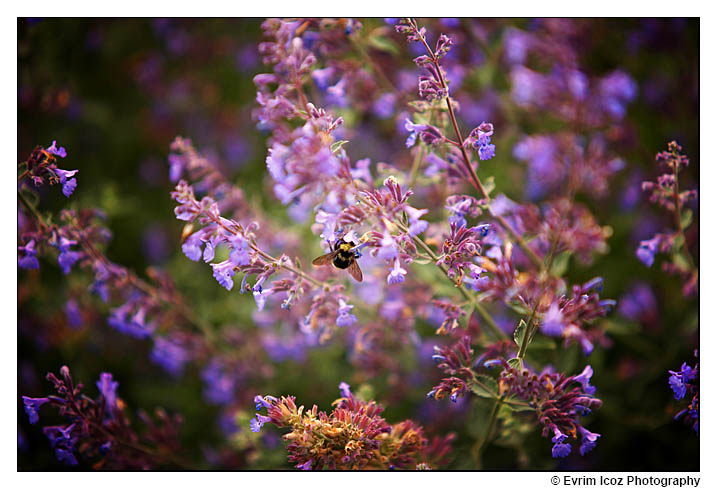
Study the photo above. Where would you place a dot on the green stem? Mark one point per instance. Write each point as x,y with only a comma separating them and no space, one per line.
28,205
545,268
479,447
477,305
677,217
467,162
415,166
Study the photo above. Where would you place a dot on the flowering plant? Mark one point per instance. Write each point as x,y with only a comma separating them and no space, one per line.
462,209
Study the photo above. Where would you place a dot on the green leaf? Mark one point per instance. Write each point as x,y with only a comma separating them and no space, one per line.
485,387
515,363
560,264
517,405
519,332
489,184
520,309
680,261
385,44
542,342
337,145
686,218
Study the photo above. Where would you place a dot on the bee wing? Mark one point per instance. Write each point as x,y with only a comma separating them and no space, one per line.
325,259
355,271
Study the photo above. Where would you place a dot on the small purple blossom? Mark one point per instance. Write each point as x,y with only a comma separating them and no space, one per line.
560,450
32,405
344,316
397,273
345,390
52,149
646,251
73,313
29,259
67,258
588,440
108,389
68,184
553,322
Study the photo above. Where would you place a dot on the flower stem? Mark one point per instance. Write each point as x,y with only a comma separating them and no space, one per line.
472,298
479,447
467,161
528,332
28,205
677,216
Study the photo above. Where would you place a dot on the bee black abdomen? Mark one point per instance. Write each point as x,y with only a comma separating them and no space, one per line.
342,262
344,257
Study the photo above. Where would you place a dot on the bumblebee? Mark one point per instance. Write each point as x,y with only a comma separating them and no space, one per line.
342,256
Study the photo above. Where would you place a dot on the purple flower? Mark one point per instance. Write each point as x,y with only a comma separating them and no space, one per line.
480,139
388,249
414,130
219,385
108,389
344,389
416,225
170,355
584,378
255,425
260,294
68,186
65,455
397,273
264,401
192,247
647,250
558,436
305,466
54,151
223,273
588,440
67,257
73,313
553,323
516,44
208,254
429,134
678,380
176,167
344,316
383,107
638,303
29,260
322,77
560,450
617,89
32,405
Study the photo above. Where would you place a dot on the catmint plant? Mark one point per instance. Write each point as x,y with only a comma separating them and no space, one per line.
427,215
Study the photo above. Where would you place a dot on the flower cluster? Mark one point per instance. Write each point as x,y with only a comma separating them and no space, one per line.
572,318
353,436
456,361
100,430
684,384
559,401
665,192
41,166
